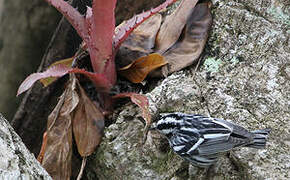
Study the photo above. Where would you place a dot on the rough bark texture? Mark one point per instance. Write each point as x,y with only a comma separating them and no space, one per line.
16,162
1,8
244,77
25,30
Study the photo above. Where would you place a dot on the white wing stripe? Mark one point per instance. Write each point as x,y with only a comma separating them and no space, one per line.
167,131
223,124
200,140
178,148
188,129
214,136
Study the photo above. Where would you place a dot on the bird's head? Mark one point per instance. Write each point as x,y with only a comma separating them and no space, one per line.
168,123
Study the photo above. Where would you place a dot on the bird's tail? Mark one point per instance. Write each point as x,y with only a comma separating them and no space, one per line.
260,138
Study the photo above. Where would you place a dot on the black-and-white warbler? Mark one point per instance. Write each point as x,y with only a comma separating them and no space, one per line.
201,140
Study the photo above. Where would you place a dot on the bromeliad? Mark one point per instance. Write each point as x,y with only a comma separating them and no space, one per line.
100,38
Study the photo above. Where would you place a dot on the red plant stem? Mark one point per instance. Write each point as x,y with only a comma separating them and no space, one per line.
103,26
73,16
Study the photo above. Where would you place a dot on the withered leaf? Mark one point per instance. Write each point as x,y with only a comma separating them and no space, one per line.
137,71
123,30
141,101
140,42
43,147
58,152
172,26
88,124
188,50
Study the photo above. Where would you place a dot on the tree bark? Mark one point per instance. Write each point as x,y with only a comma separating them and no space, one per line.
25,30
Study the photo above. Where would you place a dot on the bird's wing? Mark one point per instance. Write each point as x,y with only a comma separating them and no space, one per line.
237,131
215,146
198,130
204,136
186,139
221,138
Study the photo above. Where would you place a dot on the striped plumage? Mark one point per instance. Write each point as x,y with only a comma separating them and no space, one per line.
200,139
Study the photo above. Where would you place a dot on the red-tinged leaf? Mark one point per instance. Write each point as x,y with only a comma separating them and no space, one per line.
89,17
55,71
67,62
101,82
88,24
58,153
173,25
141,101
88,125
102,32
73,16
122,32
137,71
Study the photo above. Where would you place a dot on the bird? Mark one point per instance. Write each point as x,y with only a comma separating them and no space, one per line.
201,140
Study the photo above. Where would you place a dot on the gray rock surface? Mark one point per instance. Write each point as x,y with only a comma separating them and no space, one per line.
244,78
1,8
16,162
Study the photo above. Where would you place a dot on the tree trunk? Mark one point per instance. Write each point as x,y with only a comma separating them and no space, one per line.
25,30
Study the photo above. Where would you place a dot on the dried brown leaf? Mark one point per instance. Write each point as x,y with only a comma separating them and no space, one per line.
141,101
137,71
188,50
88,124
172,26
43,147
58,153
140,42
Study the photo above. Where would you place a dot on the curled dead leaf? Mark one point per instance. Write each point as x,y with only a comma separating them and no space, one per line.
88,125
173,25
75,114
122,31
141,101
58,151
140,42
181,39
188,50
43,147
137,71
